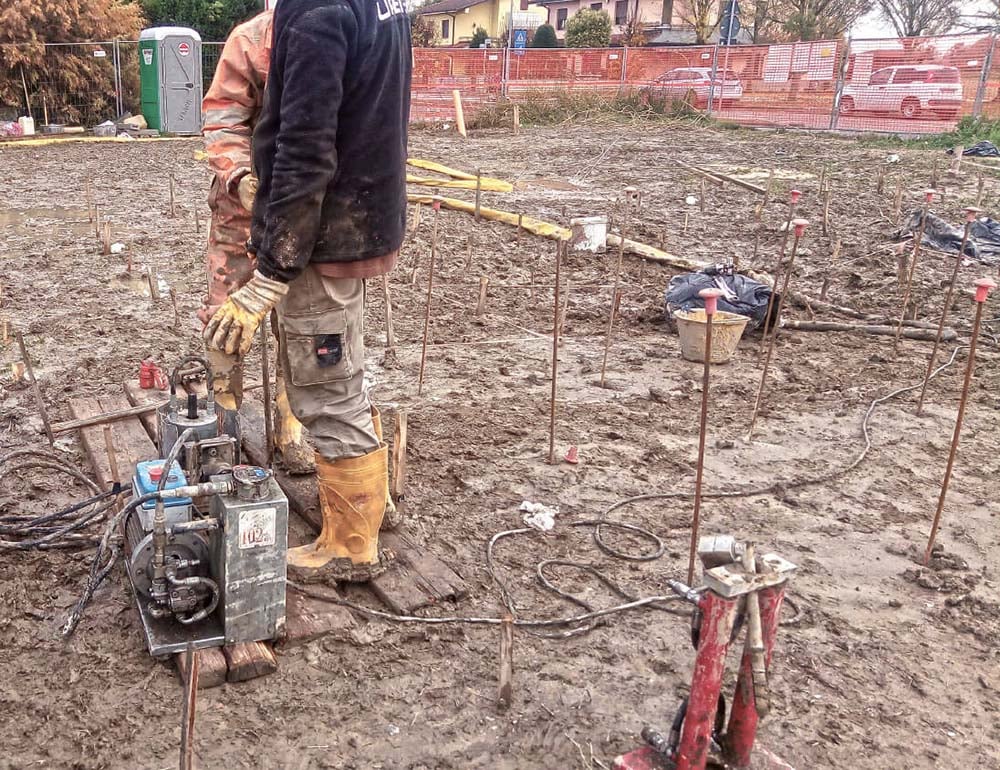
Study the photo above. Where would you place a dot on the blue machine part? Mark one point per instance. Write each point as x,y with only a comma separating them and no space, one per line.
147,477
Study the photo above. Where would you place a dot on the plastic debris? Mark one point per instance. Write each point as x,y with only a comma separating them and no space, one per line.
539,516
740,294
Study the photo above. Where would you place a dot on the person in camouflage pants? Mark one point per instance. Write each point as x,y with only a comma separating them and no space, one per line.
230,112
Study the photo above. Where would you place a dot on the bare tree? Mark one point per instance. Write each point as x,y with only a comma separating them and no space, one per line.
702,16
914,18
814,19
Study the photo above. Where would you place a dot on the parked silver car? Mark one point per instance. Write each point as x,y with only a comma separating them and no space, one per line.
695,83
909,89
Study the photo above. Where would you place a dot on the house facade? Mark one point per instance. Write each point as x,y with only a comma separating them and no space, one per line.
662,20
455,21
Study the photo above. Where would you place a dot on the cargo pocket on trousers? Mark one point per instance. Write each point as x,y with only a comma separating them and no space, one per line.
319,348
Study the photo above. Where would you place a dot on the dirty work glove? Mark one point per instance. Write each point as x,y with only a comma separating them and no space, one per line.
247,190
232,327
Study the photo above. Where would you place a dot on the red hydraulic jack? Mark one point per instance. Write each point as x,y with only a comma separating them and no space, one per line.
699,737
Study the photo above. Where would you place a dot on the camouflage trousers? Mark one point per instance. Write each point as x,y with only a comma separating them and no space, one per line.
229,265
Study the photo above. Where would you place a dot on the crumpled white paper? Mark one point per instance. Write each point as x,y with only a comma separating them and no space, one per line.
539,516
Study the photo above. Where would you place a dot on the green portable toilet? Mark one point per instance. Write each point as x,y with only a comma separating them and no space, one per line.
170,75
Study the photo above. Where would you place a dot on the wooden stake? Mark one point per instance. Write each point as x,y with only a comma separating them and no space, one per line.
416,218
484,284
390,334
701,198
880,179
173,211
505,695
826,210
97,222
555,358
822,179
90,202
956,162
685,228
101,419
265,368
710,305
427,306
398,483
517,119
459,113
897,204
197,221
614,295
479,189
39,401
177,315
106,238
934,174
468,254
154,291
917,243
979,189
192,664
826,279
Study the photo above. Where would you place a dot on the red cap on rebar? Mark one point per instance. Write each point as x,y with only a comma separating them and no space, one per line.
795,195
711,297
800,226
929,194
971,212
436,205
983,288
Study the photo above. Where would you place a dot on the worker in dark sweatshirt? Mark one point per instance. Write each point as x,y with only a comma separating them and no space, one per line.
330,154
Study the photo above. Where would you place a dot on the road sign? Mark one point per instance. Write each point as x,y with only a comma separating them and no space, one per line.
520,38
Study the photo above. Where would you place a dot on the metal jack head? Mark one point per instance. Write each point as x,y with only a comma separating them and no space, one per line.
794,195
717,550
983,288
800,226
711,297
971,212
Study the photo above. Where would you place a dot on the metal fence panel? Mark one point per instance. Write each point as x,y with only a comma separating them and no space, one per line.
476,73
540,70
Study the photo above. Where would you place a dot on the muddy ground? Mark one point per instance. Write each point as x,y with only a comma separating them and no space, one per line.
889,664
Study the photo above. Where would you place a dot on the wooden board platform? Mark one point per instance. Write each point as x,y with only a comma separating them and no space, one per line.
417,579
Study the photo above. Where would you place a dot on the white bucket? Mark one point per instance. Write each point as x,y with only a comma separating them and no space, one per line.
27,126
589,233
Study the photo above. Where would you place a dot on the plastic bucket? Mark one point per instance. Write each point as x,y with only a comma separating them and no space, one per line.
727,328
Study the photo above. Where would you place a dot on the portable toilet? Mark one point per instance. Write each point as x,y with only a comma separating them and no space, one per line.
170,77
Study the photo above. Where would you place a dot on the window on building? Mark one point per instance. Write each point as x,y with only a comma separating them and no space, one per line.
446,30
597,6
668,13
561,15
621,12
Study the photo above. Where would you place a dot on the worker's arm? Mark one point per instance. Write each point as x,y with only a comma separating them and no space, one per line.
312,57
229,109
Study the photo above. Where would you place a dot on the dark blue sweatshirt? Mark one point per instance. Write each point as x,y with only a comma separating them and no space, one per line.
330,145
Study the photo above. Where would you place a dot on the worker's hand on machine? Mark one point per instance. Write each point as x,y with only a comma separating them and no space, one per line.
233,326
247,190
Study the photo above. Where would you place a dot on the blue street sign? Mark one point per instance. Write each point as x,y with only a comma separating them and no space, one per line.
520,38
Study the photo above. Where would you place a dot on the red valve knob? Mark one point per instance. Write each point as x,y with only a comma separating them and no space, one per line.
711,297
795,195
800,226
156,473
983,288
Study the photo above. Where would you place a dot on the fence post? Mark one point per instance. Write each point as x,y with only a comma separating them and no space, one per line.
624,77
838,90
117,62
715,68
984,76
505,70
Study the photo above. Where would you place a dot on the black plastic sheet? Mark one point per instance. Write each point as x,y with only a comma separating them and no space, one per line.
741,295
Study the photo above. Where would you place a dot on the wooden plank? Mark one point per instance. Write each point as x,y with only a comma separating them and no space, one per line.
249,661
212,667
132,443
308,618
417,579
139,397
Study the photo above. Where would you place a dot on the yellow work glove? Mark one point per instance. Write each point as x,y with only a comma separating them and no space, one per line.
247,190
232,327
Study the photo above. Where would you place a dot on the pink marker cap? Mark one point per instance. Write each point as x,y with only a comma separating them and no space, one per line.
971,212
929,194
983,288
711,297
795,195
800,226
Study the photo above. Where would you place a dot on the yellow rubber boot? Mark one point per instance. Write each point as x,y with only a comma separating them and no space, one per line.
352,499
227,378
296,454
393,517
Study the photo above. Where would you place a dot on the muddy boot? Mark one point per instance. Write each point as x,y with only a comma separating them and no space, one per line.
227,379
352,500
296,454
393,516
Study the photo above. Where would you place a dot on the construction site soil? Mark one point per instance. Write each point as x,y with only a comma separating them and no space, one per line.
887,664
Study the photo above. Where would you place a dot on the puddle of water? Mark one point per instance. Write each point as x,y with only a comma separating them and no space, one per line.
47,217
135,283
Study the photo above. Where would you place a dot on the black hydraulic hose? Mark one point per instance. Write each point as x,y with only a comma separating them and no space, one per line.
7,528
172,457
